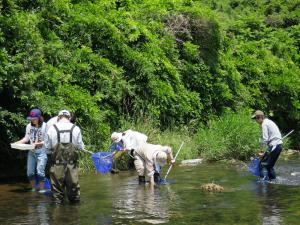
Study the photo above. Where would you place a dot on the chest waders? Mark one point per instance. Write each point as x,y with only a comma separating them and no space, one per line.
140,164
64,170
268,161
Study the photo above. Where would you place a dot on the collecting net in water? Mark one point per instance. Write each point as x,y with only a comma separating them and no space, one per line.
102,161
254,167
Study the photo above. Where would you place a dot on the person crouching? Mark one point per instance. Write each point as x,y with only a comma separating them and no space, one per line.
154,158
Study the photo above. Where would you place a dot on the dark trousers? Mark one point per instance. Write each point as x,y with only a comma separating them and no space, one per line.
268,161
65,177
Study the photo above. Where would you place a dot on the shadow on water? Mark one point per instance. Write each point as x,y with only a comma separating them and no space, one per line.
119,199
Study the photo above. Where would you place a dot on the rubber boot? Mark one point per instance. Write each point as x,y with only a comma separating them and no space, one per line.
156,178
142,180
272,174
265,174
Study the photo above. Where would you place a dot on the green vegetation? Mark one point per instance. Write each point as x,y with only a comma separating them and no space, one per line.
180,63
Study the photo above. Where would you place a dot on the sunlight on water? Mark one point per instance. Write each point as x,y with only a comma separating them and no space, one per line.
119,199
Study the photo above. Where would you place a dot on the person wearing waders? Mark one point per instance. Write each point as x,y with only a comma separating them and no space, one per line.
50,123
134,142
153,156
64,140
271,138
130,141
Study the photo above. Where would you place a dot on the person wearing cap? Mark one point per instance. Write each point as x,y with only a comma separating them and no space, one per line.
50,123
36,158
64,140
55,119
272,139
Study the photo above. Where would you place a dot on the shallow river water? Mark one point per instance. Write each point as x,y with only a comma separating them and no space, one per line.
119,199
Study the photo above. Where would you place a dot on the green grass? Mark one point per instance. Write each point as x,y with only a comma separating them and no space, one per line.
234,135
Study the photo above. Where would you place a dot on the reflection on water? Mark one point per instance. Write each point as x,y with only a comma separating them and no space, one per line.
142,202
119,199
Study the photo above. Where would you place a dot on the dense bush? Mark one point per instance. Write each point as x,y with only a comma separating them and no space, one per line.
231,136
179,63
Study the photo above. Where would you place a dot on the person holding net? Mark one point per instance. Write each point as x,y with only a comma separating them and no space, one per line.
130,140
64,140
272,140
147,157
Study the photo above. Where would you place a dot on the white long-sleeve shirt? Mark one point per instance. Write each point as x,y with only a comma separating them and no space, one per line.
63,124
271,135
133,139
51,122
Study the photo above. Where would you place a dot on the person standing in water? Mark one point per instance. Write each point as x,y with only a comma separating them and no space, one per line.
36,158
272,139
149,158
64,140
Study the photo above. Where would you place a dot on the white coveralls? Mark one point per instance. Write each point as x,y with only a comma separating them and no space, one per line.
133,140
150,155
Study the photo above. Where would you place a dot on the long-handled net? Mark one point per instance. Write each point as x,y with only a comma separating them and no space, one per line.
254,167
103,161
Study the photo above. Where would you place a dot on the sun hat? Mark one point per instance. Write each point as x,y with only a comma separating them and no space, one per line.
116,137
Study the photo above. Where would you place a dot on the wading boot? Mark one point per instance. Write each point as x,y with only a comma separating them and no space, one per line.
156,178
142,180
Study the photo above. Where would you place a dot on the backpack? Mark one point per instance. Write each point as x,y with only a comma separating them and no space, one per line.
64,153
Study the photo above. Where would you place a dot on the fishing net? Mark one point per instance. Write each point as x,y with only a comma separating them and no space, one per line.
47,183
254,167
102,161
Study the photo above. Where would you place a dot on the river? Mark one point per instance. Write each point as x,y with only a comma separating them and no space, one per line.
119,199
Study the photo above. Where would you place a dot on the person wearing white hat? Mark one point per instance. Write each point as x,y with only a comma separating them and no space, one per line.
272,139
63,140
132,141
153,156
148,158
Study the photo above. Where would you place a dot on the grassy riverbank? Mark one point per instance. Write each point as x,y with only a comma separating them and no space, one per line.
231,136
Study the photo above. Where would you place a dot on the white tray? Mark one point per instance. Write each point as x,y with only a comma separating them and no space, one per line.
23,147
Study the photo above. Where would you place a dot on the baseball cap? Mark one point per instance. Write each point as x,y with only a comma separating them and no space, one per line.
64,113
34,114
257,113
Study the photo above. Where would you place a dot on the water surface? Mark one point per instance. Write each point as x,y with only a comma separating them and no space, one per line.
118,199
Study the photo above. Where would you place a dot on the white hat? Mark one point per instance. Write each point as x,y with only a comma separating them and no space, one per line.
64,113
161,158
116,137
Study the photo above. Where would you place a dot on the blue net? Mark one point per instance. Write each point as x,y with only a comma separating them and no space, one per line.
254,167
47,184
116,146
102,161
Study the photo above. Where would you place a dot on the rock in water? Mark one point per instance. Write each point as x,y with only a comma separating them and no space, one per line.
191,162
211,187
295,173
